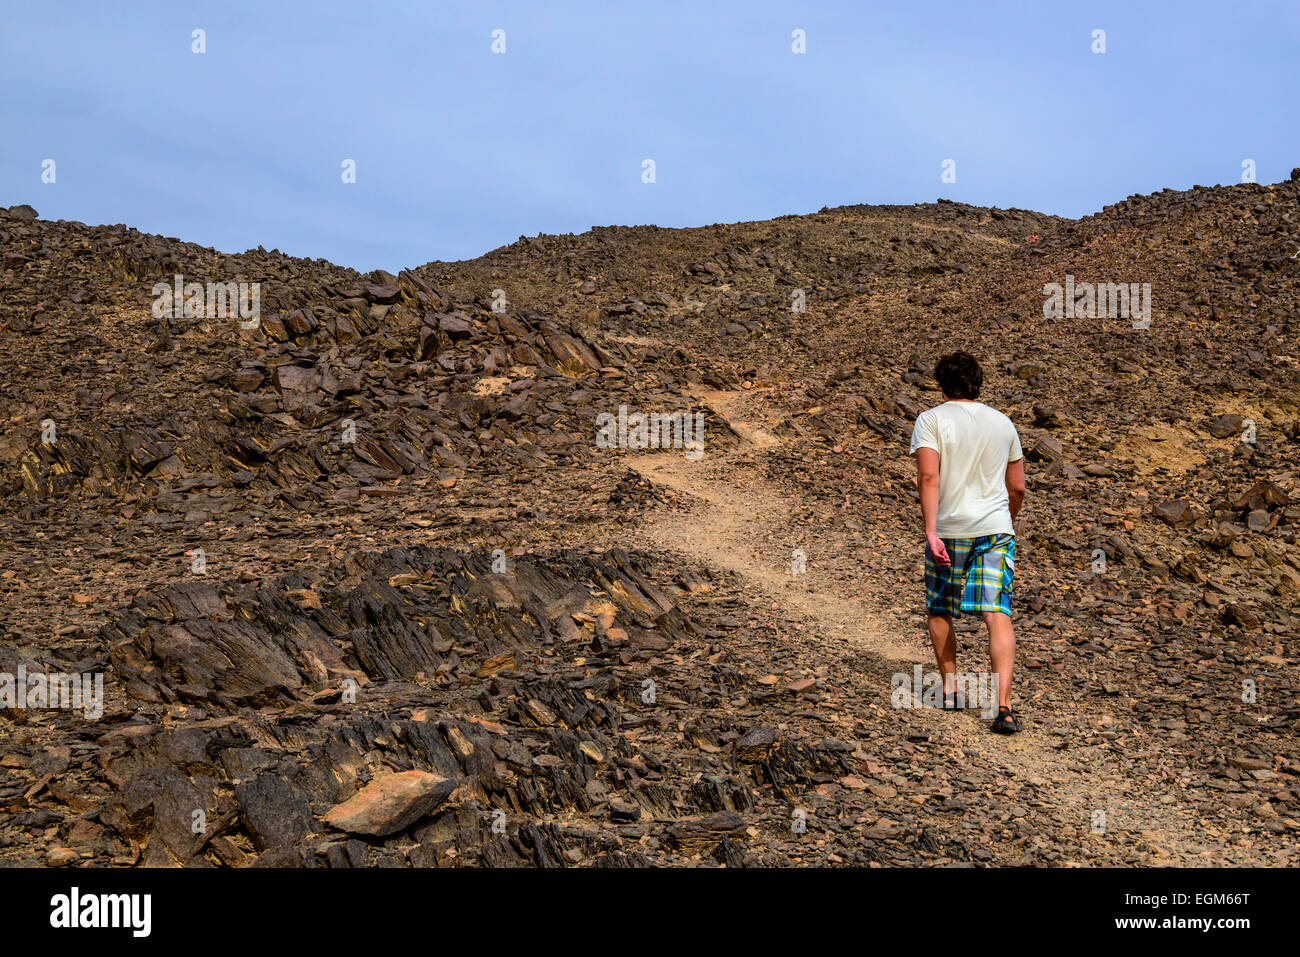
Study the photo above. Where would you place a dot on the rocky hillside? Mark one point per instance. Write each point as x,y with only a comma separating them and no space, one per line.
364,588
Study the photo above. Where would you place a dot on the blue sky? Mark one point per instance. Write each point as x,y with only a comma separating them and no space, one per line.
459,150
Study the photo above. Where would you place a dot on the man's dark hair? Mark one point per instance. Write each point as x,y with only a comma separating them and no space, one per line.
959,376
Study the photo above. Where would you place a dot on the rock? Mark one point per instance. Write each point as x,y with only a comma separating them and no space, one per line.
1234,614
1262,496
1047,417
1247,763
1288,581
456,324
700,834
274,813
755,745
61,856
390,803
1026,370
1223,426
1098,470
384,293
625,811
290,378
1221,536
1174,512
1045,448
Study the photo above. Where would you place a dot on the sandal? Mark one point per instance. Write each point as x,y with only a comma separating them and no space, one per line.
950,702
1007,721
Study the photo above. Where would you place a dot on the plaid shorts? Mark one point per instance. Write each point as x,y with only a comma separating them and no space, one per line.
979,578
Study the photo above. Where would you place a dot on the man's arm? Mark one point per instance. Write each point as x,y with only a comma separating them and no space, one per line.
1015,486
927,482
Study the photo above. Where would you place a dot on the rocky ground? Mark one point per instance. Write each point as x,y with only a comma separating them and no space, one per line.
364,590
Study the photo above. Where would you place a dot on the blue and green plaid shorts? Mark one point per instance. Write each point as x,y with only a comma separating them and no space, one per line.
979,578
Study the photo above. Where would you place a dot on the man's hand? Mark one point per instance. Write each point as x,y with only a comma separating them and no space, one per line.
937,549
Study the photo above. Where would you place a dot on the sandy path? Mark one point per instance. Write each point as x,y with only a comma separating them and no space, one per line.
734,508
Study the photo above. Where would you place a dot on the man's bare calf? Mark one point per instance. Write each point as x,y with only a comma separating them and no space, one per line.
1002,651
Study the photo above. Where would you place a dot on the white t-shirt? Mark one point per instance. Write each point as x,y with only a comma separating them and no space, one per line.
975,443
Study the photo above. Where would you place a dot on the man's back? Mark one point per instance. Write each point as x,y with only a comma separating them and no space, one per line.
975,444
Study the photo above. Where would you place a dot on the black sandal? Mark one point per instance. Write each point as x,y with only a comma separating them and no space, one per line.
1007,721
950,702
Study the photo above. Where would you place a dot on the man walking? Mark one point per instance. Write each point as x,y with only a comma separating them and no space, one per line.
971,476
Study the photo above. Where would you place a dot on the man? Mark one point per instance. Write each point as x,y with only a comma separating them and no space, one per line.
971,476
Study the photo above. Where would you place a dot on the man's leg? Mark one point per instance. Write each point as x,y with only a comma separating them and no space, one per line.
943,590
944,638
1002,652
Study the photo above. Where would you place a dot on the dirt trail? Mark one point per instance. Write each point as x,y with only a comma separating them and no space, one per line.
735,507
722,535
